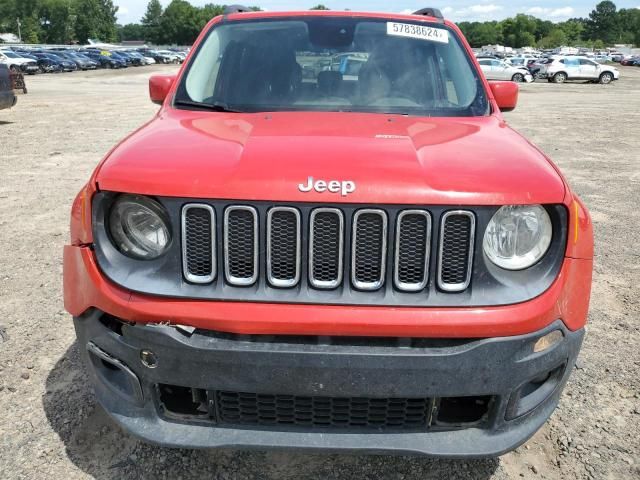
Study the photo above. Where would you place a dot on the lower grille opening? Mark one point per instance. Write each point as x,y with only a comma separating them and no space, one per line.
461,411
307,413
237,408
183,401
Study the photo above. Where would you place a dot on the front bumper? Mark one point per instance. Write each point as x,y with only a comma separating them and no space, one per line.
29,68
521,385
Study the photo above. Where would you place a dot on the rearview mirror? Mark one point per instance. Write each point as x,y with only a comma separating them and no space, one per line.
159,86
505,94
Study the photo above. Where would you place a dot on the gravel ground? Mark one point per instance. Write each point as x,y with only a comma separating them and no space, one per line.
51,427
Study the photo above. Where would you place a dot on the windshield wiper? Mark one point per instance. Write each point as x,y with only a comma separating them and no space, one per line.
213,107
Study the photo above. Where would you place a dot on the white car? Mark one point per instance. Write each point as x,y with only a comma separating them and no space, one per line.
578,68
18,63
495,69
173,58
520,61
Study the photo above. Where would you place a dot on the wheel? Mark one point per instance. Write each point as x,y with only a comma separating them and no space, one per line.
606,77
517,77
559,77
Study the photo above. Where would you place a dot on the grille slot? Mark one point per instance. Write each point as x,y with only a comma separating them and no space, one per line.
457,233
198,243
237,408
369,249
326,247
283,246
413,242
241,245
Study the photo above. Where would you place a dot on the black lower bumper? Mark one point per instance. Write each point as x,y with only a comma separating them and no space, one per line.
512,389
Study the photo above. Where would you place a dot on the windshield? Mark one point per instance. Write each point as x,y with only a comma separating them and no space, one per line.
333,64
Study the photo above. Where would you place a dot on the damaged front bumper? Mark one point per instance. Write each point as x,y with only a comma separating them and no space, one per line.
447,398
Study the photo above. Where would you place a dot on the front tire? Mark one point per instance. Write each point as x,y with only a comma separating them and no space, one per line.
517,77
606,78
560,77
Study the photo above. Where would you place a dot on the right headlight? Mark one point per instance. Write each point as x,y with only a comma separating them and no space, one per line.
139,227
518,236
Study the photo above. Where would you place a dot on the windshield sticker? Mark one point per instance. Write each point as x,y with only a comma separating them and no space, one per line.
418,31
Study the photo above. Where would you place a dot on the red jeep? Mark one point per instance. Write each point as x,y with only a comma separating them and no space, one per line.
328,238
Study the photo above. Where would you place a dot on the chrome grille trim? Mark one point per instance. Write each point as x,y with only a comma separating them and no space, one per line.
383,250
456,287
272,280
412,287
241,281
201,279
320,284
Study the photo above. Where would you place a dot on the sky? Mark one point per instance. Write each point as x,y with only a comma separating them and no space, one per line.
131,11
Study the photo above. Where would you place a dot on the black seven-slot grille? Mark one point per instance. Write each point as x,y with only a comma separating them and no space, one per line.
242,242
236,408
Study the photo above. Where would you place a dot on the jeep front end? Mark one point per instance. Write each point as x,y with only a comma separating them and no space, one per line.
304,252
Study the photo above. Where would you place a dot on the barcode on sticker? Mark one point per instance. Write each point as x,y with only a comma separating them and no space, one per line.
418,31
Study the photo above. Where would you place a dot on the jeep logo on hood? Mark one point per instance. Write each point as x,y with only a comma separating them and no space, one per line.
334,186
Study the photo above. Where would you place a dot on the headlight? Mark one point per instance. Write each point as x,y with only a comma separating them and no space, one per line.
139,227
518,236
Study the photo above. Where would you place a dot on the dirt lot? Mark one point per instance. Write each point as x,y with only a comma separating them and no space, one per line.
50,426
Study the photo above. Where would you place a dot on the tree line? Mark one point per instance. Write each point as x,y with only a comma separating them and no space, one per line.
59,21
71,21
605,26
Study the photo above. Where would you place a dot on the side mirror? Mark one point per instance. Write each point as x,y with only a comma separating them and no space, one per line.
505,94
159,86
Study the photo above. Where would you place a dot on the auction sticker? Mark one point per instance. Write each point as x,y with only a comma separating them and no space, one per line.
421,32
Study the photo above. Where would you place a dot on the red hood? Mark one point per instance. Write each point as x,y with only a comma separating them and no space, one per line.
392,159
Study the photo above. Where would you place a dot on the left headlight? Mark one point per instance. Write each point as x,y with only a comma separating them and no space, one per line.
139,227
518,236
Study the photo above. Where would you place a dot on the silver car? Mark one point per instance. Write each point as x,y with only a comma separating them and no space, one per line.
578,68
495,69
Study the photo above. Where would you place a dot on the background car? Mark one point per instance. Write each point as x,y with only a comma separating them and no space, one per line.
48,64
559,70
155,54
601,58
67,65
172,56
495,69
106,61
120,56
142,60
17,63
82,63
131,59
630,61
